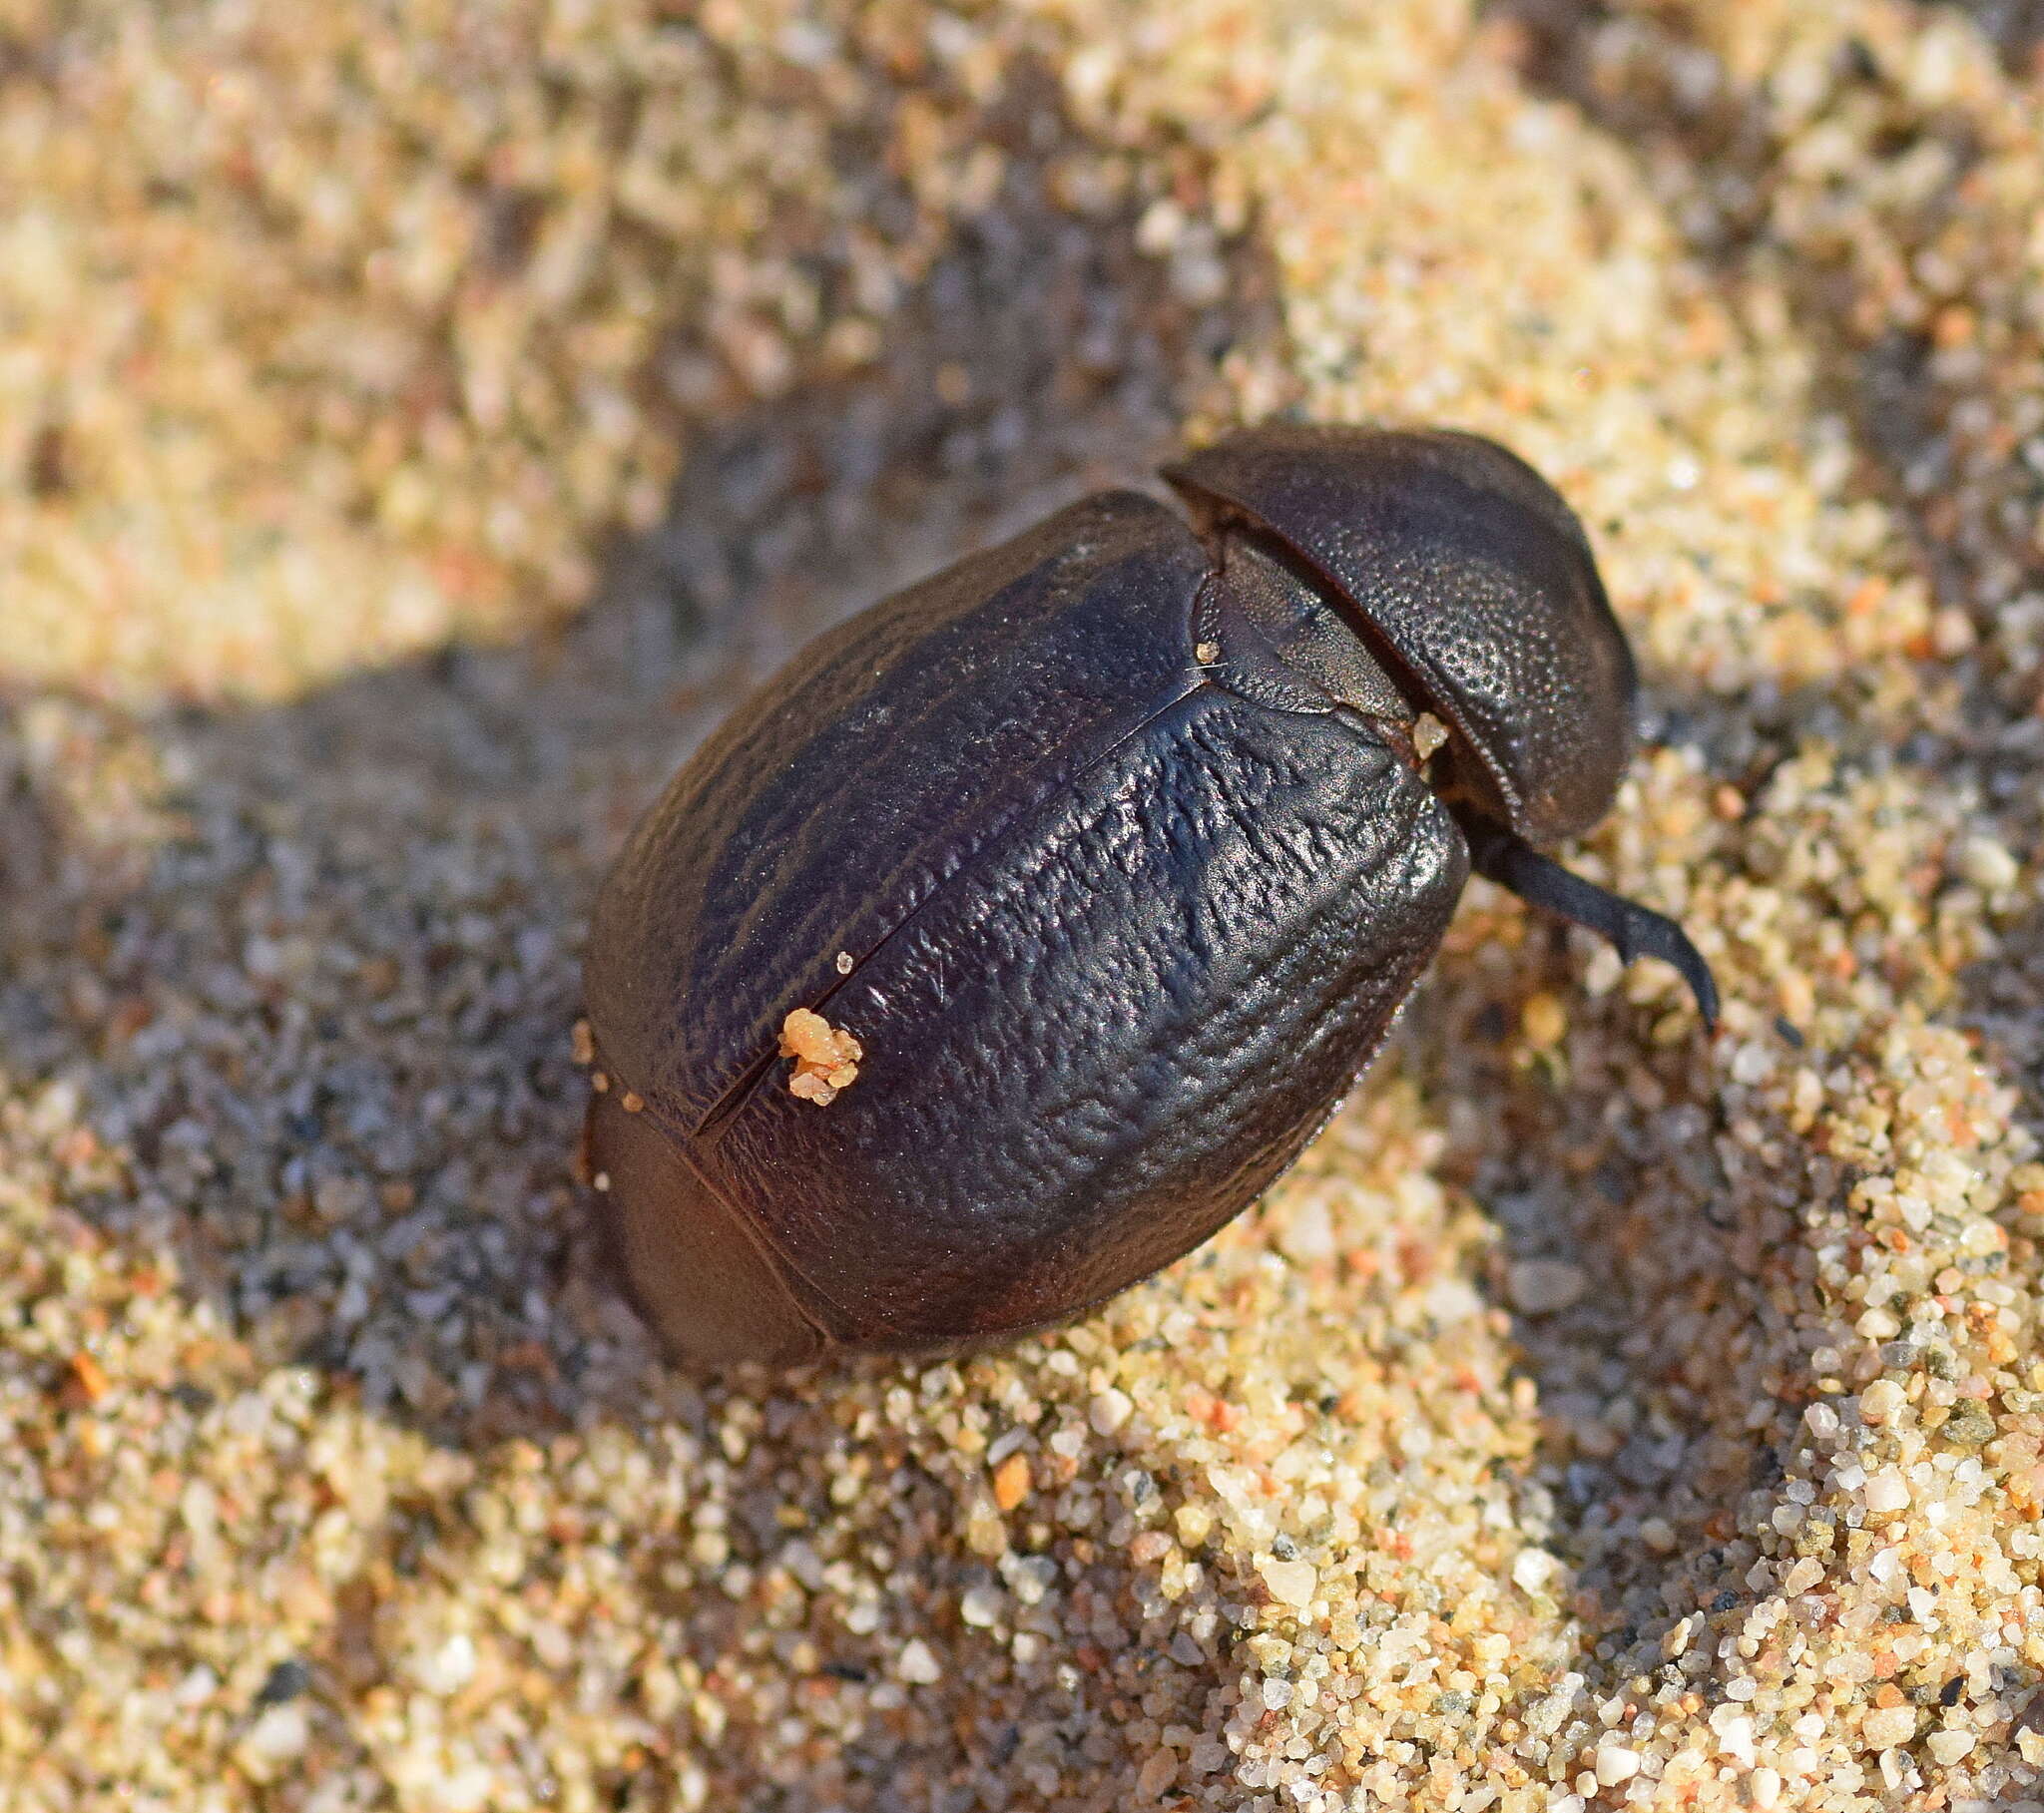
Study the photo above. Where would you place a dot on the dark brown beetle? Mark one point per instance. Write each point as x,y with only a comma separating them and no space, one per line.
1028,924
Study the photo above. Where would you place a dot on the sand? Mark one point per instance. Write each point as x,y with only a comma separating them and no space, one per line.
419,422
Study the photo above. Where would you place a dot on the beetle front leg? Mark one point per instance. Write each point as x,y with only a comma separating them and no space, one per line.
1636,931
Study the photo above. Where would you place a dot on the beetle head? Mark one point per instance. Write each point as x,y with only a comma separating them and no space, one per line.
1471,581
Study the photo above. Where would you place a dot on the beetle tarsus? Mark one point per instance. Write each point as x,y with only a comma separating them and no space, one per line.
1634,930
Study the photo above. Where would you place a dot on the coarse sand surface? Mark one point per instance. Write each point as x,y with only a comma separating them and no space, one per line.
420,419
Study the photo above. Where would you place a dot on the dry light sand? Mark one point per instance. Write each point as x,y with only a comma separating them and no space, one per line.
419,420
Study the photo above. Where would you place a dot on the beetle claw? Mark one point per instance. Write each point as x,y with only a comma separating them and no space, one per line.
1633,931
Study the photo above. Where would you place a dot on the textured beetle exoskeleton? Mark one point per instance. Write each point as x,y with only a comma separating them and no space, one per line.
1111,851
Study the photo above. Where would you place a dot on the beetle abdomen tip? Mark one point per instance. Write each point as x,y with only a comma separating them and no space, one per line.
696,1277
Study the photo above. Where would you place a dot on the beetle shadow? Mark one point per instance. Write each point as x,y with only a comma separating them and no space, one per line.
317,992
288,992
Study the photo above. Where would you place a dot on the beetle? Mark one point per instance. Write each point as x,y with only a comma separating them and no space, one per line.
1027,924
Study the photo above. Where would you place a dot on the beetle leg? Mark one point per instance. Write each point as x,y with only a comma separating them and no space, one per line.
1636,931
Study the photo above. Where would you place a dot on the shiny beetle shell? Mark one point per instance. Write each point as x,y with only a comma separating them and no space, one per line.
1110,855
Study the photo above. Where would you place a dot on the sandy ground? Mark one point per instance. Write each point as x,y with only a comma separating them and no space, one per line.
419,421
